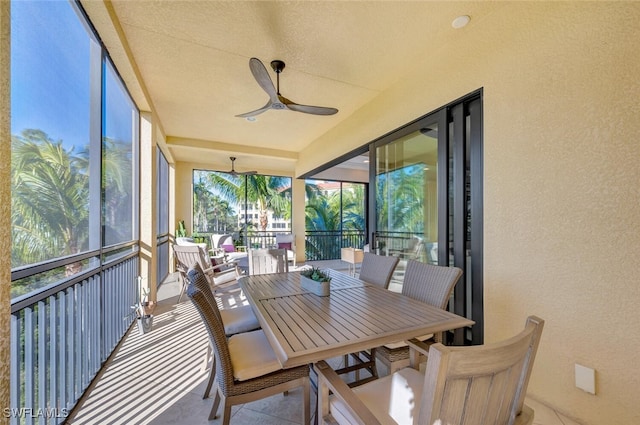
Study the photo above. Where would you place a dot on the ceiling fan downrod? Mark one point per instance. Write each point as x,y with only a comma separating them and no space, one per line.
277,66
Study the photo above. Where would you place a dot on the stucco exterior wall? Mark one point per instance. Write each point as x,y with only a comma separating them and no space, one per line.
562,174
5,205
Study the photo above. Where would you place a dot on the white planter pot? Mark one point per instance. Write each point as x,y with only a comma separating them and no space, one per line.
318,288
144,324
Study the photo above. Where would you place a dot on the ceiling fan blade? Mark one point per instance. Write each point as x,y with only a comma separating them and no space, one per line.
257,111
316,110
262,77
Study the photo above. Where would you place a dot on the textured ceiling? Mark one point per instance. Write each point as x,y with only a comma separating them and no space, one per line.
193,58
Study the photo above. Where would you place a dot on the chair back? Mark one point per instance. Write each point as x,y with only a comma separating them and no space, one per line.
377,269
188,255
200,294
217,240
480,385
265,261
286,241
429,283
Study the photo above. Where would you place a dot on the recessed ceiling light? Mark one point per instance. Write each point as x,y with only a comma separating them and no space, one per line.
366,161
252,119
460,21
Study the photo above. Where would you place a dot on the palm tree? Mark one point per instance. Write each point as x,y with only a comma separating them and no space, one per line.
270,193
50,199
117,186
405,188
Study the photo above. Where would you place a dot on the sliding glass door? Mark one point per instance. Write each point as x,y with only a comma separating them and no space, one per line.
406,184
427,201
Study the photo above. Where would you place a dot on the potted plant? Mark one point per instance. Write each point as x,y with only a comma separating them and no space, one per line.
143,319
315,281
181,231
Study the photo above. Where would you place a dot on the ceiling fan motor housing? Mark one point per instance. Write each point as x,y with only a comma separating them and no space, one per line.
277,66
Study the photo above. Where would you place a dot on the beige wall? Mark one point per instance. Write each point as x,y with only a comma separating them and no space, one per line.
5,206
562,184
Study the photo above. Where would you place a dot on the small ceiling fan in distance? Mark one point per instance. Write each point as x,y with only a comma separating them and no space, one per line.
276,100
233,171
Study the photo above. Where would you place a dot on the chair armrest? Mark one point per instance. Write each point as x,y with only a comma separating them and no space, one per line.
216,252
416,349
226,261
419,346
328,380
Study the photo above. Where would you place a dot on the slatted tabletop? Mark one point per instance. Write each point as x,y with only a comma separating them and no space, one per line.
304,328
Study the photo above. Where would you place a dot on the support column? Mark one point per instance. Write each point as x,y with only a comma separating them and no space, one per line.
298,217
148,213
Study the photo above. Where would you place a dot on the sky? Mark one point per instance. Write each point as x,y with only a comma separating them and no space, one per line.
50,75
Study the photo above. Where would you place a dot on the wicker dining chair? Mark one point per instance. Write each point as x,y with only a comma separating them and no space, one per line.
427,283
377,270
265,261
235,320
247,367
482,384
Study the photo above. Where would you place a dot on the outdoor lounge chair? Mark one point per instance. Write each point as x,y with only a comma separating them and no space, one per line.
263,261
287,241
219,275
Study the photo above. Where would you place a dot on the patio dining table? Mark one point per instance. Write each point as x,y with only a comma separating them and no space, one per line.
304,328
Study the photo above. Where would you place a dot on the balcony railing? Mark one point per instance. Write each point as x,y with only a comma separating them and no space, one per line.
319,245
62,334
326,245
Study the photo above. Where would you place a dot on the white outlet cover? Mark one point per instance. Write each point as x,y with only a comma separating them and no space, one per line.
586,378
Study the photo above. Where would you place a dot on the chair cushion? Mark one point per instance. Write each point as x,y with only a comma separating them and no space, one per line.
394,399
252,355
225,276
229,248
234,256
219,262
239,319
284,245
401,344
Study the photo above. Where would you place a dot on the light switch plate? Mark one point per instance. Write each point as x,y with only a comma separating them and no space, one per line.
586,378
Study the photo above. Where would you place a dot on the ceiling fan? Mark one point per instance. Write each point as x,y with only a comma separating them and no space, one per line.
276,100
233,171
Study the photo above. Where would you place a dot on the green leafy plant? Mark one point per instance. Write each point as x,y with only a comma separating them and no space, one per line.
316,274
181,232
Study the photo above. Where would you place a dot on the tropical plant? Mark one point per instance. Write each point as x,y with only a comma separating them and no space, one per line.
400,200
181,231
341,210
50,199
117,188
316,274
270,193
50,202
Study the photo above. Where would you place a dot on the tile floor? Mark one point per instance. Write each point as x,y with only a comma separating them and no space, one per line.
159,378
